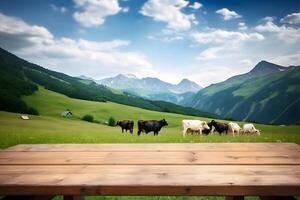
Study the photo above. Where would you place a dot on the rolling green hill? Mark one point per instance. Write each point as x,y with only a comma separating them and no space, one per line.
273,97
263,68
50,127
19,77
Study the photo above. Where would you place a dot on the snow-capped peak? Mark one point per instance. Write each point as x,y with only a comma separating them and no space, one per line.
130,76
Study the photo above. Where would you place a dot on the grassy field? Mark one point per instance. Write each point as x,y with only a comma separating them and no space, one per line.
50,127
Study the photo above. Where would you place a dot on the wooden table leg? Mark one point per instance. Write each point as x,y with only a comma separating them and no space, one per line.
234,198
70,197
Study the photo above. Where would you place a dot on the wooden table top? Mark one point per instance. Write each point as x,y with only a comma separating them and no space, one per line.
151,169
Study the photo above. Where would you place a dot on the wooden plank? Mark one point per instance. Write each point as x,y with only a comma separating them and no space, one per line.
284,170
223,147
205,175
156,169
233,180
149,158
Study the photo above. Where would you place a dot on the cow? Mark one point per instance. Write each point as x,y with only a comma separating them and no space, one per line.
204,131
249,128
234,128
193,126
151,125
219,126
210,130
126,125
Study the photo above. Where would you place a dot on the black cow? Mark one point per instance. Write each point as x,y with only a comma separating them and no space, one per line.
219,126
126,125
207,131
151,125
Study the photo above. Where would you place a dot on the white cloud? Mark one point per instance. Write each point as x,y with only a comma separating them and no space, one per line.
246,62
166,38
210,53
196,22
228,14
223,42
101,46
94,12
287,60
126,9
285,33
196,5
15,33
293,18
220,36
269,18
210,76
203,73
167,35
71,56
242,26
61,9
170,12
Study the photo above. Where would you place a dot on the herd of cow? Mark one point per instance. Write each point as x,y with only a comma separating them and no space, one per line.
143,126
189,127
202,127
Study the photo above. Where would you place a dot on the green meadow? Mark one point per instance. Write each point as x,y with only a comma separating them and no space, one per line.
50,127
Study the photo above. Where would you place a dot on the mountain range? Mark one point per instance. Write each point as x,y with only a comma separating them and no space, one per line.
269,93
19,77
152,88
148,85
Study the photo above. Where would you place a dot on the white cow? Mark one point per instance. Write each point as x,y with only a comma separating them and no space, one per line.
193,126
249,128
234,128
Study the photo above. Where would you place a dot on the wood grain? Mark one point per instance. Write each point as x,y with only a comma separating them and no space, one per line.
233,169
149,158
111,179
178,147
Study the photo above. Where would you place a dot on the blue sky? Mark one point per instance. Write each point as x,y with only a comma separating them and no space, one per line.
206,41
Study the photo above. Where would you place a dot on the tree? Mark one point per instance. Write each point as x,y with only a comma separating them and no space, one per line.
111,121
88,118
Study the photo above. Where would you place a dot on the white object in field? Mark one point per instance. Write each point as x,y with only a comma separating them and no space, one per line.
193,125
66,114
25,117
249,128
234,128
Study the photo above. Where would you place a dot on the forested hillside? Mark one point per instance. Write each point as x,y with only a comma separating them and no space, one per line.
267,94
13,85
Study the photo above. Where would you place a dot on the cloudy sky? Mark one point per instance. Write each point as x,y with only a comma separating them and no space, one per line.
206,41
